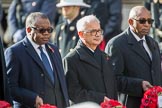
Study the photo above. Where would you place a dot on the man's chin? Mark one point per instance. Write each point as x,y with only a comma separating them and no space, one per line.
44,41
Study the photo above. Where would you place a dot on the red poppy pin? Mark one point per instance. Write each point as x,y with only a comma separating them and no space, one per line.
107,57
51,49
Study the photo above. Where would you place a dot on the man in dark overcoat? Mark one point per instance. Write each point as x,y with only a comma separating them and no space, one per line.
135,57
88,71
34,67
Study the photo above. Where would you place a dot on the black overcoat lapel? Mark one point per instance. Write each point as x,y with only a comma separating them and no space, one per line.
135,46
84,56
30,50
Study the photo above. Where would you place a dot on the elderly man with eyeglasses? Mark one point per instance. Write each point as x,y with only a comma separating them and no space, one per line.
135,57
88,71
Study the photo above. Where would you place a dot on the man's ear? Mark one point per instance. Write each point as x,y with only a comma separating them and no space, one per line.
28,29
130,21
80,33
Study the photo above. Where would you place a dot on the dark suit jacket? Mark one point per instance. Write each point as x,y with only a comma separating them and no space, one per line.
87,80
28,77
132,66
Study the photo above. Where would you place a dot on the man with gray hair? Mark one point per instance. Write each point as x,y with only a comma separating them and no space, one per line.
34,67
88,71
135,57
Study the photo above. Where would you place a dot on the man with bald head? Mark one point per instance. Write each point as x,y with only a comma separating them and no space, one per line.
135,57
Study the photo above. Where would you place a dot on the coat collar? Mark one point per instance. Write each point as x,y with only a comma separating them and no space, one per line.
133,44
85,56
31,51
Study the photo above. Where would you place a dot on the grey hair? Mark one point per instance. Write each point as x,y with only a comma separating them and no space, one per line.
136,11
82,23
32,18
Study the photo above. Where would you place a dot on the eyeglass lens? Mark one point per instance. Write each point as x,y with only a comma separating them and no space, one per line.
94,32
42,30
143,21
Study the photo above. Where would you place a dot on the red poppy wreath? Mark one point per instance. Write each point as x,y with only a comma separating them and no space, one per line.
111,104
150,97
47,106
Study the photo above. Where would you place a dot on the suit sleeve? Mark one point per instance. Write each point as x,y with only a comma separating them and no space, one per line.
18,93
77,92
125,84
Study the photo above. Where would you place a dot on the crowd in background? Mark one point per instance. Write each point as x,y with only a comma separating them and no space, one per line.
111,17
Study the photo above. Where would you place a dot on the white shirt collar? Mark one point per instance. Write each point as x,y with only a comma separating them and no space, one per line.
137,37
34,44
90,49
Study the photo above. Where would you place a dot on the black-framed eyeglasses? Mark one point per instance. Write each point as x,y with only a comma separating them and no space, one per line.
42,30
143,20
94,32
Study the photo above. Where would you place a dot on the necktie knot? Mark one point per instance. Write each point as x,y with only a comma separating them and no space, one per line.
40,48
141,42
143,48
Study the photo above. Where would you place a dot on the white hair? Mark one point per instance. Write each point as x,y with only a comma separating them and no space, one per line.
84,21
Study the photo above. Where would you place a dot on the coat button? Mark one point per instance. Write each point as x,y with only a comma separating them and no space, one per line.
60,38
71,49
74,37
72,28
113,63
42,75
62,27
60,50
152,71
82,13
34,4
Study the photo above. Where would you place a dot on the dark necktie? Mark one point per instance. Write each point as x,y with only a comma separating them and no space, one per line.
141,43
46,63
